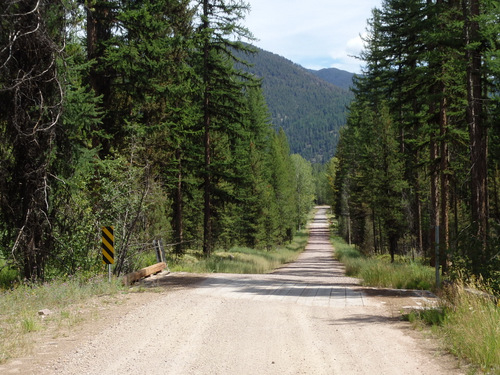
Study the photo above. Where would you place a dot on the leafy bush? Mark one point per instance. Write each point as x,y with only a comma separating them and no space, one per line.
8,276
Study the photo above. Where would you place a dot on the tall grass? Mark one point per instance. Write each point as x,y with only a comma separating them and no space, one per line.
471,328
379,272
468,324
241,260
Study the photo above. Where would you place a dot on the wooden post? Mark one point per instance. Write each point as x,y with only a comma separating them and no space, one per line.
438,263
145,272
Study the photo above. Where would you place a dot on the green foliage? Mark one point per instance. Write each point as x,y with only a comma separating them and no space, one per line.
305,192
8,276
434,317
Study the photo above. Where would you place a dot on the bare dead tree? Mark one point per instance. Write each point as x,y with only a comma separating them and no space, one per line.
31,105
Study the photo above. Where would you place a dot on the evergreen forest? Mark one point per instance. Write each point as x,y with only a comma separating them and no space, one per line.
136,114
159,118
417,168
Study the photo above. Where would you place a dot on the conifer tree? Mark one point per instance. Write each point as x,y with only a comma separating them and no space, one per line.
284,186
305,189
219,33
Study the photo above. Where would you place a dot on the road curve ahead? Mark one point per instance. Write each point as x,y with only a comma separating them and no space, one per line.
305,318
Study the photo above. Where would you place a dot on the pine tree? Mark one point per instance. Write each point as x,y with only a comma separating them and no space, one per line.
222,99
478,131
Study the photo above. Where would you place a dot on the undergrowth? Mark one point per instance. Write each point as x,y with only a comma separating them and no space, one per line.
467,322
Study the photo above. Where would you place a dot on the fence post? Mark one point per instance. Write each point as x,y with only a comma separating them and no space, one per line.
438,261
160,252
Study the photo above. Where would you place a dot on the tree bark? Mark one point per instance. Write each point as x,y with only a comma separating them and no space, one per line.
207,214
444,230
434,214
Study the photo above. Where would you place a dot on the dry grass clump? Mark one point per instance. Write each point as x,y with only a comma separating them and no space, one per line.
471,328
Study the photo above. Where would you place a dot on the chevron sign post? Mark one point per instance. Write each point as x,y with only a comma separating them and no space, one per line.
108,248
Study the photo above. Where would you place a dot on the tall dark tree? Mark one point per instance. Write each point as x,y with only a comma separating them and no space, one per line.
222,85
101,17
478,132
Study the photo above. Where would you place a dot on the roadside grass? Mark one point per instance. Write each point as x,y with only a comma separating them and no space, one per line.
240,260
471,328
19,308
378,271
466,323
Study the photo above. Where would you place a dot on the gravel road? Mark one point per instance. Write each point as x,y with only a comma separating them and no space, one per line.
305,318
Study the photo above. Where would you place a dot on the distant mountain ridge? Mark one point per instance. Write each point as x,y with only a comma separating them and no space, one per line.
306,104
335,76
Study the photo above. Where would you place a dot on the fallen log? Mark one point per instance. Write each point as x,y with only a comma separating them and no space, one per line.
132,277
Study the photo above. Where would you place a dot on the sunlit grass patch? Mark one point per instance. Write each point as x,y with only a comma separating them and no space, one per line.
380,272
240,260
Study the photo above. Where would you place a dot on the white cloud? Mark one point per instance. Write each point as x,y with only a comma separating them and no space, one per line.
313,33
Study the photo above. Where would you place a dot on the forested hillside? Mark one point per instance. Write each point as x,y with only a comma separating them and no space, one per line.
134,115
310,110
335,76
417,169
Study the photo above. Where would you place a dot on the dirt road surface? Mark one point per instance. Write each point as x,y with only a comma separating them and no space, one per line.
305,318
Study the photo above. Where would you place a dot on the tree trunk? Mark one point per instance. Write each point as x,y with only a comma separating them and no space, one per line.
434,214
178,220
374,225
207,212
30,110
477,129
444,230
393,246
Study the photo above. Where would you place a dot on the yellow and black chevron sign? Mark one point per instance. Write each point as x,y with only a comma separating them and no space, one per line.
108,245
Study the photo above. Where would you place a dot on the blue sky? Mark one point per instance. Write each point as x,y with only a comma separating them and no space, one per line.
314,33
